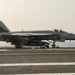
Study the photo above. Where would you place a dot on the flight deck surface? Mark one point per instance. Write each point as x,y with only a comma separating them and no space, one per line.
36,61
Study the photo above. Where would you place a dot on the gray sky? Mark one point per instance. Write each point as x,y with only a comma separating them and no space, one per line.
38,14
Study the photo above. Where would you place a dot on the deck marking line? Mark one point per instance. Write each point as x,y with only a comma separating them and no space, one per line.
38,64
44,74
37,53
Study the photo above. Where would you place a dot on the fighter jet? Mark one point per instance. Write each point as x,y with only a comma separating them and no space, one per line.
33,38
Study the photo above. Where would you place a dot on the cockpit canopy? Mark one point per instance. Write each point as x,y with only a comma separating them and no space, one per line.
60,31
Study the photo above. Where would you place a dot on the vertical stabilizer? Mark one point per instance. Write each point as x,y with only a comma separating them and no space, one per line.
3,27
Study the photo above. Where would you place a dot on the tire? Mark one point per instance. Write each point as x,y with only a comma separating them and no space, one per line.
53,46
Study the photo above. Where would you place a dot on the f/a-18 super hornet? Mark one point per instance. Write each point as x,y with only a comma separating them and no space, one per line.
33,38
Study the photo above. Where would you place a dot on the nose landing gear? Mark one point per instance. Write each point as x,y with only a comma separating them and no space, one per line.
53,45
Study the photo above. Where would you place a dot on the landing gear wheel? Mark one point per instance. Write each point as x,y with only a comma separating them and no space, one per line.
53,45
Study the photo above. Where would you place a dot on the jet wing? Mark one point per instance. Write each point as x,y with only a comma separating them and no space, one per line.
14,38
26,37
43,35
32,34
